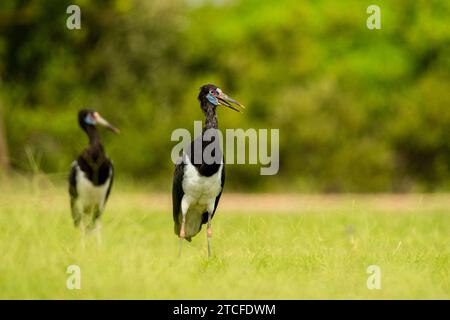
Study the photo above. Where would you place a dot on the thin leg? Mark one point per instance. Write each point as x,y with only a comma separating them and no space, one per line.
82,235
209,234
98,233
182,235
184,210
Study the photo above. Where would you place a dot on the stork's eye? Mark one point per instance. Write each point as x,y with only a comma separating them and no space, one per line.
90,119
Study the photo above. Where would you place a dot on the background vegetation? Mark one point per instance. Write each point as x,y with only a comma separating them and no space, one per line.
319,251
358,110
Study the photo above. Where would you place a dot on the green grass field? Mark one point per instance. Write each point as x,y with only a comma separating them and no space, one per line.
313,248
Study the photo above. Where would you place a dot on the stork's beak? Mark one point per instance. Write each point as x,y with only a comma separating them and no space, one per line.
101,121
228,102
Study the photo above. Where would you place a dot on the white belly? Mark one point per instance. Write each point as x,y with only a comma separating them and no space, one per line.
199,195
90,196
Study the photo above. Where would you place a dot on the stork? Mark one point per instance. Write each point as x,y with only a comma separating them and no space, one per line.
198,183
91,176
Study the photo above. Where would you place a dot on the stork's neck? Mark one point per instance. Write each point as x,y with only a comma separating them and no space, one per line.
94,136
211,117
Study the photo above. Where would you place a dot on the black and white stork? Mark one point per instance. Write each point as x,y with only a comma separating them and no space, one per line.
198,182
91,176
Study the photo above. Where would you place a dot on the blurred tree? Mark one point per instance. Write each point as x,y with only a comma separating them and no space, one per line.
358,110
4,154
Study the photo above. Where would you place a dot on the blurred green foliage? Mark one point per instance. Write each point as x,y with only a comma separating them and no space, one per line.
358,110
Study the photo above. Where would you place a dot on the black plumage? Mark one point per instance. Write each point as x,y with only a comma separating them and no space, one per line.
197,182
91,175
206,170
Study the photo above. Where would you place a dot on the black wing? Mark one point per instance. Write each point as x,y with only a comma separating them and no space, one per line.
110,183
97,168
177,194
98,213
74,193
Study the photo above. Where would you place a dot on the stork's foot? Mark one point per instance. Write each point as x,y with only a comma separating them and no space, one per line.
82,236
208,237
98,234
182,236
180,247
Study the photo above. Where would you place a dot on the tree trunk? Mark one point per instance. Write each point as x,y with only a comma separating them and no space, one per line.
4,155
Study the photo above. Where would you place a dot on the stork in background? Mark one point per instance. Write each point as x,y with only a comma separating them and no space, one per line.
198,183
91,176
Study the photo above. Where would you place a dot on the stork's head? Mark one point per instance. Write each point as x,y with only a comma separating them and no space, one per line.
210,95
90,118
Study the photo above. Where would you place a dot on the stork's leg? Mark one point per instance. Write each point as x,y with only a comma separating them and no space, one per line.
209,233
184,210
97,224
98,232
182,235
83,234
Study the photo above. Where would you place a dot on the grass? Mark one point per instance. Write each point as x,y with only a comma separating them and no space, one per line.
269,254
